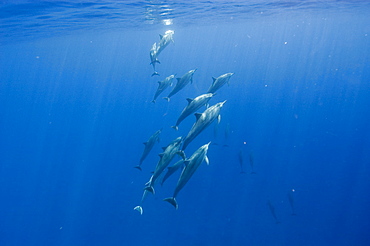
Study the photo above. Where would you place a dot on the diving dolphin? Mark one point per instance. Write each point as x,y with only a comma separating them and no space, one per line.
240,157
203,121
219,82
291,201
181,83
148,147
165,158
172,170
157,48
162,85
193,105
191,165
272,210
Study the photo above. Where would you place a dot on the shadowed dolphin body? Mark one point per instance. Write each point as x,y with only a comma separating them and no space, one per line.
162,85
166,157
203,121
191,165
219,82
181,83
148,147
172,170
193,105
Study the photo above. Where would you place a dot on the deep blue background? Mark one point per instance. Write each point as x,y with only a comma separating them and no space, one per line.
75,109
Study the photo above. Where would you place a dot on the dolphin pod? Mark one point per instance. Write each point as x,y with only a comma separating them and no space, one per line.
188,166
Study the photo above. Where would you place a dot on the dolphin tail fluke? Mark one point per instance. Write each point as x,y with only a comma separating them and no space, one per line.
150,189
153,101
167,98
138,167
294,214
155,73
172,201
175,127
181,153
253,172
242,172
139,209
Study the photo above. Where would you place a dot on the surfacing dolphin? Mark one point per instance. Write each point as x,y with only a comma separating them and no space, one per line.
157,48
165,158
162,85
193,105
191,165
219,82
181,83
148,147
203,121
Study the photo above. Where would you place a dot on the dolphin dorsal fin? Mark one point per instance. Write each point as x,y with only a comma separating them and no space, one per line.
186,162
161,154
160,36
206,160
197,115
164,148
178,79
214,79
189,100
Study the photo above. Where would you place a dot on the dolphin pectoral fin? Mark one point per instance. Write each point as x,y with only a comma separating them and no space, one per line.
139,209
138,167
206,160
172,201
219,119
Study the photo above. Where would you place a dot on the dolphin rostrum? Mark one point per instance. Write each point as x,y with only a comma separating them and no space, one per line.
191,165
203,121
193,105
148,147
181,83
219,82
162,85
166,157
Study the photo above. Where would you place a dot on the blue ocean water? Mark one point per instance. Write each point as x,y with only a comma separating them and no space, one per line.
75,108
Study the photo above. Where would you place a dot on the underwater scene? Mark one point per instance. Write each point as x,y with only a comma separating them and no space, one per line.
185,122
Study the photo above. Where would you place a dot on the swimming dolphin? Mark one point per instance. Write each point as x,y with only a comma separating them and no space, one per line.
251,162
165,158
164,40
191,165
219,82
193,105
172,170
157,48
153,57
162,85
148,147
203,121
181,83
240,157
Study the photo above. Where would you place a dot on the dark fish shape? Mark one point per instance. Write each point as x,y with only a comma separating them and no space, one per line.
172,170
148,147
162,85
251,162
166,157
219,82
191,165
193,105
240,157
272,210
181,83
203,121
